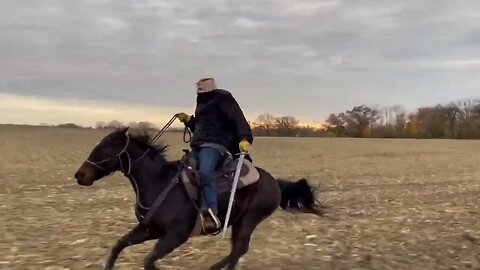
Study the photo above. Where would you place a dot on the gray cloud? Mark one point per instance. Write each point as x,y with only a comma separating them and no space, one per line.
306,58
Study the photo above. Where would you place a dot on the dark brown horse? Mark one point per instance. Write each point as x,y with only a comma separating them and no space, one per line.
173,219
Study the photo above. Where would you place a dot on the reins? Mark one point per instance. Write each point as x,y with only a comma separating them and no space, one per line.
162,131
124,150
127,172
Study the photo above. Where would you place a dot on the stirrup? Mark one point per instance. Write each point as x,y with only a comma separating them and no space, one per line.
218,224
210,215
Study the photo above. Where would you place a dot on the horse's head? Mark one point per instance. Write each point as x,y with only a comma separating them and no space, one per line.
105,158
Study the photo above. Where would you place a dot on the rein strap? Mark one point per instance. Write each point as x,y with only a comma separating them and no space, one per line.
161,198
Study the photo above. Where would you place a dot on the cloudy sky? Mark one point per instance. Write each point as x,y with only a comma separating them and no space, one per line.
89,60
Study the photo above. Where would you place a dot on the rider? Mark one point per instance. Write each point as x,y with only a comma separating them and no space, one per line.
218,124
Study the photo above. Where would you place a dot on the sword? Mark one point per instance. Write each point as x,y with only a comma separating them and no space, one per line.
232,194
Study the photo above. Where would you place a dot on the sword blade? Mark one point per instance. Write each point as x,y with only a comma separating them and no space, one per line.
232,194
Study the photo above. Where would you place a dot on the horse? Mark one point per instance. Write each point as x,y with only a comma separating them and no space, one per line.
173,218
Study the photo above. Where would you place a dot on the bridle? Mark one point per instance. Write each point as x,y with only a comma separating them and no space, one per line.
127,172
124,151
186,133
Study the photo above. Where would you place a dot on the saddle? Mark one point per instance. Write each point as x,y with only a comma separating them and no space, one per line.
192,182
191,179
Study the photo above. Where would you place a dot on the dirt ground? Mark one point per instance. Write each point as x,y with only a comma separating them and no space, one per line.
395,204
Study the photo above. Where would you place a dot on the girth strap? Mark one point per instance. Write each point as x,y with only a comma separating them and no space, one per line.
161,198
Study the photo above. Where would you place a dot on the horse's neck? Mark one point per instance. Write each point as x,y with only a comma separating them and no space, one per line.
149,177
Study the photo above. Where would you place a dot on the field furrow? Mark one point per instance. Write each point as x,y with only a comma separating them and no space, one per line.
394,204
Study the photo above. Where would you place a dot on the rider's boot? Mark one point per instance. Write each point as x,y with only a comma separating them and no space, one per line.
210,222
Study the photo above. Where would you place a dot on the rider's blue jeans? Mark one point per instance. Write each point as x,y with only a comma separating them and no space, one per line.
208,160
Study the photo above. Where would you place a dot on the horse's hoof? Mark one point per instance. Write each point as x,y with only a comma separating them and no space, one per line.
232,267
150,267
217,267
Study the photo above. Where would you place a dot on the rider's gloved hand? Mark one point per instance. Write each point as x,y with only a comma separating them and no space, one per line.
244,146
183,117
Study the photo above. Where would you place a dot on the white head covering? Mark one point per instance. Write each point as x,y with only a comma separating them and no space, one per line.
206,85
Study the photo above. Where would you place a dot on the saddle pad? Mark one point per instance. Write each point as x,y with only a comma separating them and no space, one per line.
249,175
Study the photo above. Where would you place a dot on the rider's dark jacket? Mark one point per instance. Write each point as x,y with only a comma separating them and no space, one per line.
219,120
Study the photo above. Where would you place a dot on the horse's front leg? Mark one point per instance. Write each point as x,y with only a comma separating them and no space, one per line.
164,246
136,236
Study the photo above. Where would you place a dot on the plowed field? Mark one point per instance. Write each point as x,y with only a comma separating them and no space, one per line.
394,204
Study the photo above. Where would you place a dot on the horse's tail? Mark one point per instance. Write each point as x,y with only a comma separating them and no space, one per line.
299,196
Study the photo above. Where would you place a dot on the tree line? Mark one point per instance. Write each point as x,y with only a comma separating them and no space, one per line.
457,120
283,126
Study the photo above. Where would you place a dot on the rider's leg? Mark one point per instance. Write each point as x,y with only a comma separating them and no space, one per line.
209,158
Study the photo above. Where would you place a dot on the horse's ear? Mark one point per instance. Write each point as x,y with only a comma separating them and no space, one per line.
125,131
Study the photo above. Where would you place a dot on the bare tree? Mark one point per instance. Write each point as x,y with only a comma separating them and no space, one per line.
360,118
286,125
265,122
335,120
336,124
100,125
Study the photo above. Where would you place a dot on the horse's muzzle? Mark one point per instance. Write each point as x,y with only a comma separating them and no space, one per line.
84,177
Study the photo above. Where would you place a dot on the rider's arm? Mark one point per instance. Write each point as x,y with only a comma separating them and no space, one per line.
190,124
230,106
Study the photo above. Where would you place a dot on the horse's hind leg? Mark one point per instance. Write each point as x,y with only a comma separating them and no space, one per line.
136,236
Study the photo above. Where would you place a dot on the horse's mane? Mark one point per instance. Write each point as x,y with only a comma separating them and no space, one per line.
143,138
